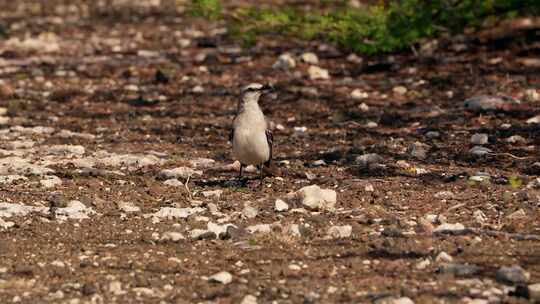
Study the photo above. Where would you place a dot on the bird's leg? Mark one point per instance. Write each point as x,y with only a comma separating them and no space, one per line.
241,169
262,176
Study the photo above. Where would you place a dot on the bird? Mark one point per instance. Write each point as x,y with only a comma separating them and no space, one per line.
250,137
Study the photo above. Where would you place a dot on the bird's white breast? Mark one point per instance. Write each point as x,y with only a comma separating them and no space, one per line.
250,145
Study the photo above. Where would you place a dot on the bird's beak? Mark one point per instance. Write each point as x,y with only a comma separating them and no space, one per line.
268,88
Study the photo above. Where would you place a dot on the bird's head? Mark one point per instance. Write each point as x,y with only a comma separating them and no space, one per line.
253,91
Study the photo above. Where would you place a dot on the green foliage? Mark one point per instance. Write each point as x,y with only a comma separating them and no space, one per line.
210,9
515,182
373,29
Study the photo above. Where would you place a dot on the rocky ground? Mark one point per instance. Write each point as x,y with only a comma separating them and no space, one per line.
405,178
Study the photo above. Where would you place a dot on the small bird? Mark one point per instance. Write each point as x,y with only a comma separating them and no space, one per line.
251,139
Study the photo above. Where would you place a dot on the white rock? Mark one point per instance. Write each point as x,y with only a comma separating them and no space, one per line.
173,182
284,62
316,198
198,89
260,228
532,95
50,181
293,229
131,87
534,120
74,210
3,111
175,213
444,195
6,224
70,134
127,207
479,151
316,73
9,210
180,172
295,267
423,264
4,120
447,227
115,287
249,212
444,257
218,230
222,277
66,150
401,90
281,206
358,94
18,166
8,179
249,299
365,160
479,139
534,292
172,236
310,57
130,160
479,216
213,194
340,231
201,163
516,139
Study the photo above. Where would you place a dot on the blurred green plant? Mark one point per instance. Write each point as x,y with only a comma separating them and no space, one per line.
386,27
210,9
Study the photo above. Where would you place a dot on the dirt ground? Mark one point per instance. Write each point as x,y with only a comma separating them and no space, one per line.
148,91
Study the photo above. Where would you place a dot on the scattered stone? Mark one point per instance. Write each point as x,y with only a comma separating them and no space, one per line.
310,58
535,183
281,206
284,62
130,160
115,287
445,195
354,58
249,299
366,160
479,151
180,172
519,214
534,120
479,216
459,269
127,207
173,182
220,231
448,228
213,194
170,213
293,229
9,210
340,231
532,95
70,134
358,94
260,228
433,134
393,300
316,73
18,166
444,257
423,264
172,236
363,107
319,163
222,277
480,177
479,139
5,224
249,212
418,150
401,90
74,210
316,198
50,181
198,89
512,275
8,179
516,139
534,292
202,163
489,103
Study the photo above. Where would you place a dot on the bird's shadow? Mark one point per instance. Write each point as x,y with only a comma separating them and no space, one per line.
227,182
